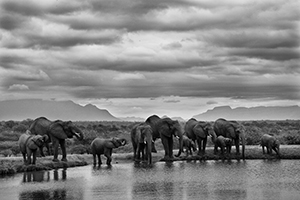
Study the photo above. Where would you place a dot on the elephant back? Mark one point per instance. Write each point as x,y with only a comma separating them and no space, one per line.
40,126
224,128
189,128
56,130
153,122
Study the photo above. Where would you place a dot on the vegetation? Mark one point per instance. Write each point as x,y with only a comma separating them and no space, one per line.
288,132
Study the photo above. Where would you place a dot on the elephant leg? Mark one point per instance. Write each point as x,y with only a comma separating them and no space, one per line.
138,156
29,157
216,149
237,145
204,145
94,159
41,151
24,157
170,141
263,149
99,159
222,149
142,151
63,150
199,141
228,149
166,146
33,157
107,154
134,151
55,147
48,148
153,146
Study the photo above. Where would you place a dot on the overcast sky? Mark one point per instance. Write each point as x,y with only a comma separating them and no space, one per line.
144,57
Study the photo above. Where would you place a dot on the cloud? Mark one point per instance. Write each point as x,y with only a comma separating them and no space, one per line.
18,87
128,76
238,50
211,102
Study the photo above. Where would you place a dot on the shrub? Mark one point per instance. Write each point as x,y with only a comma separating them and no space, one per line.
78,149
20,128
291,138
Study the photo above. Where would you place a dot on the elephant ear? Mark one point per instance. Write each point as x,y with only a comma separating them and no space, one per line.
199,130
115,142
139,134
38,140
56,129
33,142
166,128
67,126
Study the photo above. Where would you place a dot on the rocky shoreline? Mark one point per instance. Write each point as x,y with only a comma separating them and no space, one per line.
12,165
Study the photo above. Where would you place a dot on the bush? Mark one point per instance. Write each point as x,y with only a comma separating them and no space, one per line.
20,128
291,138
79,149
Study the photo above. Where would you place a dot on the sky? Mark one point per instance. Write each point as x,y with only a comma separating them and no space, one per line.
144,57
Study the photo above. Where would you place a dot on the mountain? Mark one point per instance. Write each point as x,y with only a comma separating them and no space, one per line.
253,113
65,110
132,119
174,118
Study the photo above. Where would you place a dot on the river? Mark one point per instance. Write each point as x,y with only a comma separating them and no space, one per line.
251,179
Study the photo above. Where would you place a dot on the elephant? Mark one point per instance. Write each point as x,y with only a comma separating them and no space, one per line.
58,131
188,144
165,128
29,144
232,130
223,143
270,142
141,137
198,131
101,146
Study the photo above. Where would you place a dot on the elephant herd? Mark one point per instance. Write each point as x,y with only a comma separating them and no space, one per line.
223,134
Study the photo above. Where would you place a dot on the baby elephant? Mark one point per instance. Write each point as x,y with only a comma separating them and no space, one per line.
29,144
223,143
270,142
188,144
104,146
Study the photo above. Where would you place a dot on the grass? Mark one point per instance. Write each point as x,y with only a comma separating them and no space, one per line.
11,165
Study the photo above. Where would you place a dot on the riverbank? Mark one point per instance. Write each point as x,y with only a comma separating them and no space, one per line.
12,165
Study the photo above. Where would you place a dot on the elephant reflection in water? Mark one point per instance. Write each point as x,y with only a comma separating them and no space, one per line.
37,176
41,176
44,194
45,176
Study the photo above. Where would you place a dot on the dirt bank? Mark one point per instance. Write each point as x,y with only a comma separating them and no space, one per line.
11,165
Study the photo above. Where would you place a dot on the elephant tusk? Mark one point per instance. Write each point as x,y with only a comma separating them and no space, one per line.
77,135
177,137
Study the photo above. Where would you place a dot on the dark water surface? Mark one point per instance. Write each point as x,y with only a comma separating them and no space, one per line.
251,179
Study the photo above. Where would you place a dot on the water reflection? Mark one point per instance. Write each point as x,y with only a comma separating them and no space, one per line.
38,176
253,179
46,194
41,176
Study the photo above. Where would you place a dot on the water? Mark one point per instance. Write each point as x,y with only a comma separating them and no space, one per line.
251,179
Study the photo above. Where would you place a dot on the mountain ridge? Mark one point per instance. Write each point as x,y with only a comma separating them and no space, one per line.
252,113
64,110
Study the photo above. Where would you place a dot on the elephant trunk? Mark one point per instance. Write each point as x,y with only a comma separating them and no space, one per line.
242,135
180,145
148,150
123,142
213,136
78,134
